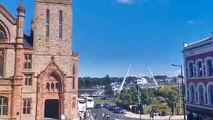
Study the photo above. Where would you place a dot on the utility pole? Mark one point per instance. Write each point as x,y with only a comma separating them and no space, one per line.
179,112
139,102
183,98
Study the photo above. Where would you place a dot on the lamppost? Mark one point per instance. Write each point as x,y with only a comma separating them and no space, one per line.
139,101
183,99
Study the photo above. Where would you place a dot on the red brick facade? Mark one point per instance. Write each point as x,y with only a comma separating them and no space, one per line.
37,79
198,60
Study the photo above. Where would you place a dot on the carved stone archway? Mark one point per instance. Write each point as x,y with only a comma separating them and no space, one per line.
50,86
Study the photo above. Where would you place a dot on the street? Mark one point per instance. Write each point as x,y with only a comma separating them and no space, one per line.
112,115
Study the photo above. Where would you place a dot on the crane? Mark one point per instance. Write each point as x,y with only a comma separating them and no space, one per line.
122,84
156,83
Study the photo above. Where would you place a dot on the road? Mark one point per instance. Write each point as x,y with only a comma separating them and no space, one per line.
113,116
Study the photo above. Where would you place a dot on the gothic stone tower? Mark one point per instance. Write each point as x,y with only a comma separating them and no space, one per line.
54,64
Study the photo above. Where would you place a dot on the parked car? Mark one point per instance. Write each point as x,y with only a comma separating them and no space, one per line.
112,108
106,106
98,106
119,110
104,98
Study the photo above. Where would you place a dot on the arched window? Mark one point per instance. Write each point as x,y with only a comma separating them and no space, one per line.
210,94
60,24
192,94
188,97
3,106
191,69
52,86
2,34
201,94
57,86
48,86
47,23
209,67
199,69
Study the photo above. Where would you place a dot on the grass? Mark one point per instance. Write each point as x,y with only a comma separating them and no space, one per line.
147,109
99,101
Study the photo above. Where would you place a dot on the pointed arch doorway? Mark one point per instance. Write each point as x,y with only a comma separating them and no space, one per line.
51,108
50,101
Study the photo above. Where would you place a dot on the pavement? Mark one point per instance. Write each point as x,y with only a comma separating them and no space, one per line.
112,115
128,115
147,116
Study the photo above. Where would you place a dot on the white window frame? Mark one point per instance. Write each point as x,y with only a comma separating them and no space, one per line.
206,68
208,94
190,94
27,109
28,79
188,70
204,89
197,69
2,105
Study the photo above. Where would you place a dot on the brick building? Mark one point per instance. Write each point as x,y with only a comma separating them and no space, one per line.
38,72
198,60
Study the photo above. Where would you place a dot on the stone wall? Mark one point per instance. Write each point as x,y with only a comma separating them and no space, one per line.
53,45
9,63
45,51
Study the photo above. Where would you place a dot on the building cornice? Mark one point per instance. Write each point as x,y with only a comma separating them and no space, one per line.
65,2
203,48
7,15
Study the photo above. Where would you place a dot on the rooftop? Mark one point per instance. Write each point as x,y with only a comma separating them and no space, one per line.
198,43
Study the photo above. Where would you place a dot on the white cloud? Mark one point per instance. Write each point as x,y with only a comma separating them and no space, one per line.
192,22
125,1
131,1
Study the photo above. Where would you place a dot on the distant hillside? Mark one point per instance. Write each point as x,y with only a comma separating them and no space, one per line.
89,82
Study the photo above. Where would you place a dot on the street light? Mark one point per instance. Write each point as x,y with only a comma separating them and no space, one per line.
183,99
139,101
178,90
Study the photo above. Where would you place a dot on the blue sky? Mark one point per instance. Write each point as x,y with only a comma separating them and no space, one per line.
108,34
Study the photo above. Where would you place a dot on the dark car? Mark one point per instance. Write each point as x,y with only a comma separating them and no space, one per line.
119,110
98,106
112,108
106,106
104,98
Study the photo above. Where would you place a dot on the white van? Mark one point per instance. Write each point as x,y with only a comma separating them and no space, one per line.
90,102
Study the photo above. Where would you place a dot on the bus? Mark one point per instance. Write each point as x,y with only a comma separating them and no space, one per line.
82,105
90,102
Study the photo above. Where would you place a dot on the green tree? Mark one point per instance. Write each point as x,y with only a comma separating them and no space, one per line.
170,94
127,97
107,80
146,96
108,88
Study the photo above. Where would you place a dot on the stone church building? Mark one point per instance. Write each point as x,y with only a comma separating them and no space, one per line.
38,72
